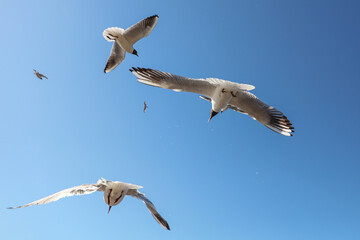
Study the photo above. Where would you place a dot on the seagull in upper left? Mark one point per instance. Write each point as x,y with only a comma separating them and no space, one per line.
114,193
39,75
125,39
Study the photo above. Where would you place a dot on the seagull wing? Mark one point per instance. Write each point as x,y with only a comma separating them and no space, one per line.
265,114
41,75
177,83
150,206
79,190
141,29
117,55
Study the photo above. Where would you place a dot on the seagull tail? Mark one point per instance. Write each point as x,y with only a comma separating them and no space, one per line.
111,34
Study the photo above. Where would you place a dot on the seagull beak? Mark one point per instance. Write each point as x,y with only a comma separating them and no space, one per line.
135,53
213,113
109,209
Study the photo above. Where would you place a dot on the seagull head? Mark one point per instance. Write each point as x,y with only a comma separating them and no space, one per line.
113,196
212,114
135,52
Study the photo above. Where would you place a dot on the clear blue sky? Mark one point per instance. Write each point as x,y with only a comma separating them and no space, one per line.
231,178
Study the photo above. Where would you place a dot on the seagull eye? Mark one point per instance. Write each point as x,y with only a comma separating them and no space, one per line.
119,196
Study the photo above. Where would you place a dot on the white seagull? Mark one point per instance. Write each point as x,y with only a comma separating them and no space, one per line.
39,75
114,193
125,39
222,95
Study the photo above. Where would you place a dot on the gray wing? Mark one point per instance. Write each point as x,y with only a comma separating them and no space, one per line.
141,29
170,81
150,206
79,190
117,55
260,111
41,75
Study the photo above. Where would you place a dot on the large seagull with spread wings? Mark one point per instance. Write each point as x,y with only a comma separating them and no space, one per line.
114,193
222,95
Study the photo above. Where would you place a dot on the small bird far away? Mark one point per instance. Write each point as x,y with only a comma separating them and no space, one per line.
145,106
39,75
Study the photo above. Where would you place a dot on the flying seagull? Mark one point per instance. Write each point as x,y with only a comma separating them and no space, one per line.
222,95
114,193
145,106
39,75
125,39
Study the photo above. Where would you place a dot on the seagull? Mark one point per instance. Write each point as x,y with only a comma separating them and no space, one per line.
114,193
145,106
39,75
222,94
125,39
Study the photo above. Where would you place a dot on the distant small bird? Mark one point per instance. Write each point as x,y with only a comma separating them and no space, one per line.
222,95
114,193
39,75
145,106
125,39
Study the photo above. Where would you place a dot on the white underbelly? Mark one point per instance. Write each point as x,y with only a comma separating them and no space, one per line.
124,43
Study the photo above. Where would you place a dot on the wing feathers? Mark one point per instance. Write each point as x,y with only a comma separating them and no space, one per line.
171,81
117,55
150,206
265,114
79,190
141,29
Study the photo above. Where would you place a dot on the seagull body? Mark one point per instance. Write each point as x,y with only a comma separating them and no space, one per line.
114,193
145,106
125,39
39,75
222,94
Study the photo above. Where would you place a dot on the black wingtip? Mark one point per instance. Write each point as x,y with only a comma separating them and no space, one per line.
132,69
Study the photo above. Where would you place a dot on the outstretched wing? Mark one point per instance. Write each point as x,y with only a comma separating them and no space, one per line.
117,55
41,75
171,81
79,190
265,114
150,206
141,29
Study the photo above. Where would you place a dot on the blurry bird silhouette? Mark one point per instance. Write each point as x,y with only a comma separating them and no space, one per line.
39,75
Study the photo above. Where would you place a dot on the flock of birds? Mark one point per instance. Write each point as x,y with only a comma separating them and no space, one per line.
220,93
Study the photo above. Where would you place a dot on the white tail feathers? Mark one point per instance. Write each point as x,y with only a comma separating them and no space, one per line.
112,33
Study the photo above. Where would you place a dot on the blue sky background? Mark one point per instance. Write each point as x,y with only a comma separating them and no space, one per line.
231,178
